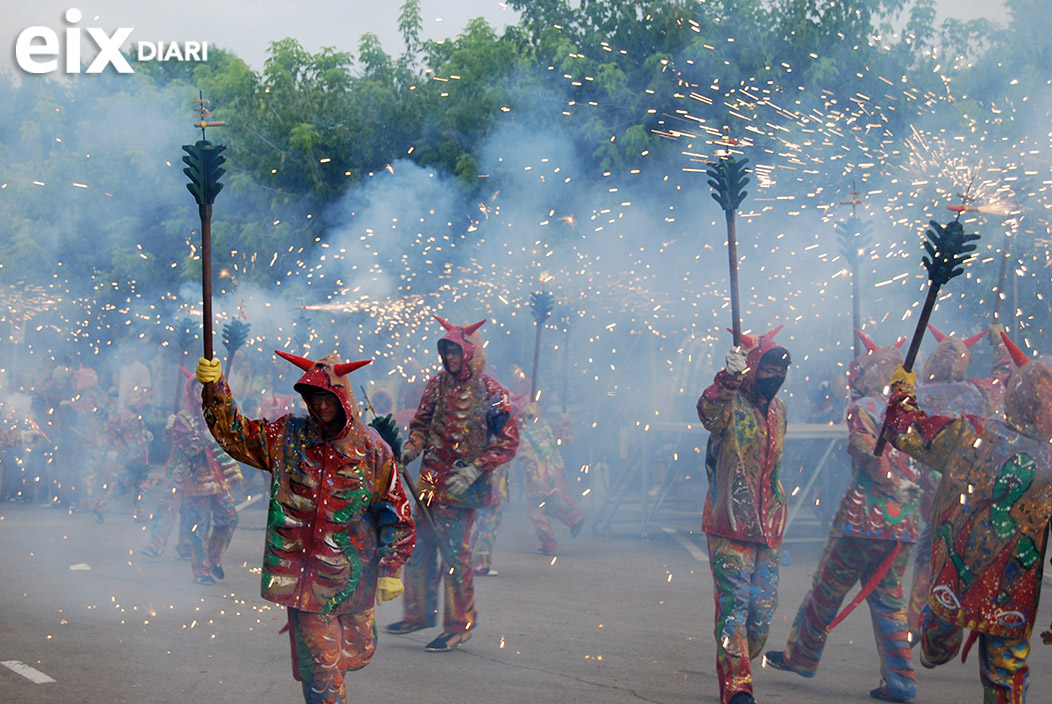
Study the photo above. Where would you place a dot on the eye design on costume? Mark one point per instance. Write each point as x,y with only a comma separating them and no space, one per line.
945,596
1012,619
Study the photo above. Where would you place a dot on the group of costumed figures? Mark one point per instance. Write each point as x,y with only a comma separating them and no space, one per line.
340,528
970,459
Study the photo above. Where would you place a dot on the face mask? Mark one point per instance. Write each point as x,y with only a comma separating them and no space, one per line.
769,387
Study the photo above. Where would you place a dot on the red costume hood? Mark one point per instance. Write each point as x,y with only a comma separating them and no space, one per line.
469,340
329,374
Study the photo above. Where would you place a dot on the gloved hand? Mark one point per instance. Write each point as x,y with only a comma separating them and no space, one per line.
388,588
170,422
1046,637
908,493
994,334
148,436
208,370
406,458
462,476
736,361
902,381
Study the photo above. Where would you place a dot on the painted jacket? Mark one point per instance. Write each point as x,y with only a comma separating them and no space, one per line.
990,515
197,464
128,433
539,453
872,506
338,517
467,417
745,500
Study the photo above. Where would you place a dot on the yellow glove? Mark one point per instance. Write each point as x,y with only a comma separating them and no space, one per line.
208,370
388,588
903,381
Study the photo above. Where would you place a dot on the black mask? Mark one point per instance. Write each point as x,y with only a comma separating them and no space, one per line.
769,387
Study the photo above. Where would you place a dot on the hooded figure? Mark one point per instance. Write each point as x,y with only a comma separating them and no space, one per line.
990,521
338,526
745,508
870,539
463,429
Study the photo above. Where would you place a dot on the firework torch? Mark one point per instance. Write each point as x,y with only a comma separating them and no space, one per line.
727,179
854,237
203,161
948,249
542,308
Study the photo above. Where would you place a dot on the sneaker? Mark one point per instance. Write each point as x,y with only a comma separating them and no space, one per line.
204,579
776,659
447,641
403,627
149,551
217,572
575,529
485,572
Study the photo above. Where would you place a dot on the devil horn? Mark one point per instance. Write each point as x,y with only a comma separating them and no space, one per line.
939,337
189,374
866,342
772,333
347,367
301,362
474,326
748,342
900,343
445,323
969,341
1018,356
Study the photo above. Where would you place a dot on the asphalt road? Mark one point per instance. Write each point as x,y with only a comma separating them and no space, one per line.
616,618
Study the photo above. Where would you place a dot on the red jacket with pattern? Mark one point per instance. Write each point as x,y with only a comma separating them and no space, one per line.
338,516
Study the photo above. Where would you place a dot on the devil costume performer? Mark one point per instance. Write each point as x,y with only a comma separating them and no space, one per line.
990,522
944,390
464,429
338,527
745,508
870,539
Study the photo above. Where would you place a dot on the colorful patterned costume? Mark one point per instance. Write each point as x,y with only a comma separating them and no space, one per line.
991,521
943,390
338,520
542,464
128,463
744,515
874,529
467,418
92,409
489,518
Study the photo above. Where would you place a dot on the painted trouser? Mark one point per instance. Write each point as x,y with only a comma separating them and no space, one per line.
205,553
425,568
325,646
488,520
487,524
163,520
921,580
559,507
845,562
746,595
117,480
1002,661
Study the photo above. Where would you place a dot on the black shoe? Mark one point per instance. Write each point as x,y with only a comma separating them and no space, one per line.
776,659
204,579
575,529
742,698
403,627
217,572
447,641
